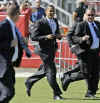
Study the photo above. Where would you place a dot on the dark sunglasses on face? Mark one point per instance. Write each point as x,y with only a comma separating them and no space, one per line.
91,15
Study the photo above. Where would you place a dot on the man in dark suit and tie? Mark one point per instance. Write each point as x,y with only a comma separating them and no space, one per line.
46,31
10,51
88,41
74,74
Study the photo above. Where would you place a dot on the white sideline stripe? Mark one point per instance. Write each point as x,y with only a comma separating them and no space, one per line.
23,74
18,75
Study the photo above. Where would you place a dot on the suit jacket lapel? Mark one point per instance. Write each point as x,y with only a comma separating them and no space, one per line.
98,31
88,32
46,21
57,27
9,29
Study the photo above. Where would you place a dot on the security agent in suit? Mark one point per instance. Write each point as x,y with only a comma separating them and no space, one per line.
24,47
46,34
87,37
8,41
74,74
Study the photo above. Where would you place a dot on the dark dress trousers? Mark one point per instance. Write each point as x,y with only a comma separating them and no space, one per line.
78,65
7,73
46,49
89,57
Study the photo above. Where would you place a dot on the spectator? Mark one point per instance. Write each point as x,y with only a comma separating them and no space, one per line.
38,12
3,7
26,10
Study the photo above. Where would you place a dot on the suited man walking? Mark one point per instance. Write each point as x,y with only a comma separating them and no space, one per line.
10,51
87,36
46,31
75,73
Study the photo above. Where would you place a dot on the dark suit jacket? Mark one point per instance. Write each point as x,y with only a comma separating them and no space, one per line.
70,34
6,51
73,46
81,30
39,31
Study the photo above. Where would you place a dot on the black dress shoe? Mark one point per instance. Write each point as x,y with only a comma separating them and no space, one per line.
58,97
92,96
28,88
65,83
67,73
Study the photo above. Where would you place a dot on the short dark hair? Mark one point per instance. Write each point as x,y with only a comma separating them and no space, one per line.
50,5
91,9
13,9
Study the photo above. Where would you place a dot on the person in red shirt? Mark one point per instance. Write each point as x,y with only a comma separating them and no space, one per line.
26,10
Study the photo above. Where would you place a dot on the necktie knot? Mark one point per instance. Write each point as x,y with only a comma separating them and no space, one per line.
93,25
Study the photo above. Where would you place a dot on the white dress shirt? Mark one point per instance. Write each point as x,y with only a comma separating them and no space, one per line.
15,55
53,25
95,43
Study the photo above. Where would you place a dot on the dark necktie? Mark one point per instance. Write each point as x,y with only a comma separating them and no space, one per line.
96,30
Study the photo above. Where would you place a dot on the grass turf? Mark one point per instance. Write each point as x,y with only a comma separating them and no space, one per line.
42,93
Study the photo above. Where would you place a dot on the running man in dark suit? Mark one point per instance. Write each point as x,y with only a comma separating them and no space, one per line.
7,50
10,51
74,74
46,31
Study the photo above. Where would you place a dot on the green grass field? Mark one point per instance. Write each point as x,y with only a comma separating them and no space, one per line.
42,93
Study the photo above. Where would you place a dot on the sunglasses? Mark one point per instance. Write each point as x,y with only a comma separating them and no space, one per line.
91,15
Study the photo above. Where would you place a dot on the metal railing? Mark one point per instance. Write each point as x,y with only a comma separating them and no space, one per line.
64,17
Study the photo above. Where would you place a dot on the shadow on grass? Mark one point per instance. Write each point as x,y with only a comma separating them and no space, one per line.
97,98
97,93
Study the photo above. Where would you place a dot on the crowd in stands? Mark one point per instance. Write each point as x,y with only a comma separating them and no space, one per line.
25,9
